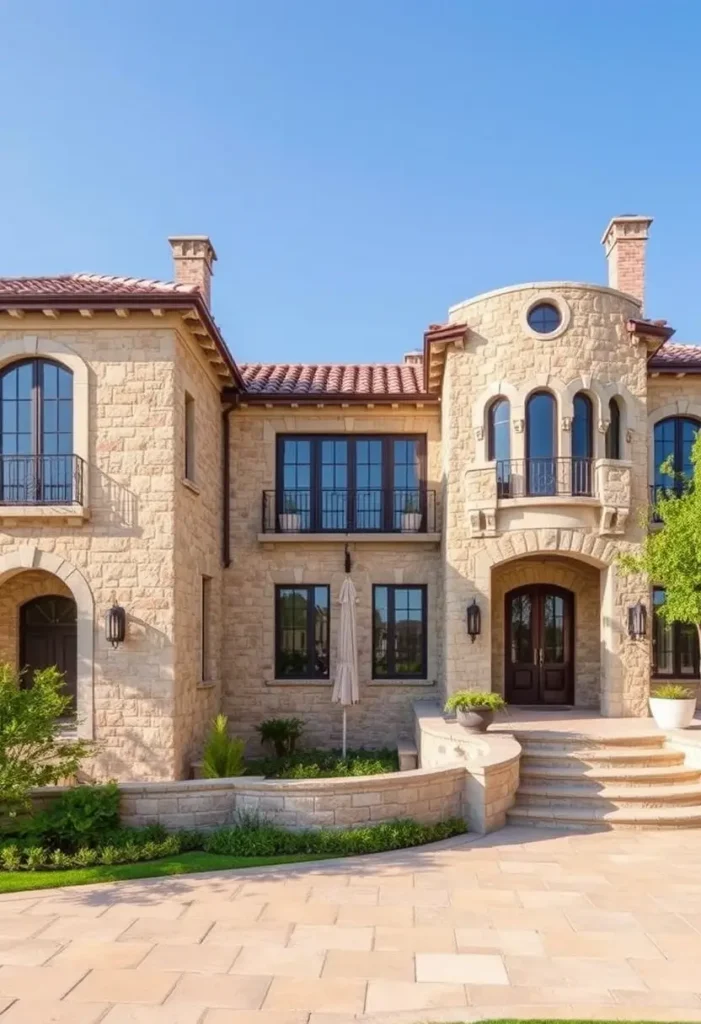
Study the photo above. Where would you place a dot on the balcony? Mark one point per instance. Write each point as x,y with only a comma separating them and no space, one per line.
38,485
372,514
545,478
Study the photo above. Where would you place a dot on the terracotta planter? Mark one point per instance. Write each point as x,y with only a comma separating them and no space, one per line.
290,522
672,714
475,719
411,522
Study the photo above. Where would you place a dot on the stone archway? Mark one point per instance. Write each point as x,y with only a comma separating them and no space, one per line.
32,558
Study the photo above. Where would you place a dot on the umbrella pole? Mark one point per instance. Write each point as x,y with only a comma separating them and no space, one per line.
344,733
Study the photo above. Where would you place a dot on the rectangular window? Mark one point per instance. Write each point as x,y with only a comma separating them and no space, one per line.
675,645
399,632
189,437
205,609
302,632
339,484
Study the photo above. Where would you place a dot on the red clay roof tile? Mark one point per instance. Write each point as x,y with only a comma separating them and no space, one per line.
673,355
298,379
87,285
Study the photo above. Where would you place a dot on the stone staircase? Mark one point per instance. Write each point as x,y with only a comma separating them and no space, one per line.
582,782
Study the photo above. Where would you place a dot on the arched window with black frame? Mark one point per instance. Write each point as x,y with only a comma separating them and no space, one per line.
541,444
499,443
613,431
673,441
37,462
582,444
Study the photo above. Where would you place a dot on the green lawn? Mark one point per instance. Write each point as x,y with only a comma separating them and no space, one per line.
180,864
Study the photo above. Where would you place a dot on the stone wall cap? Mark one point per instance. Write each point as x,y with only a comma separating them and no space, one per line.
542,286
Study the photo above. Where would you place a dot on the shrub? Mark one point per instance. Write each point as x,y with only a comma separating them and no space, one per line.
466,700
78,817
31,753
673,691
326,764
223,756
281,734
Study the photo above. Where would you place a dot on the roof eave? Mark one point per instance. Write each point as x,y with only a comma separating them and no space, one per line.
329,398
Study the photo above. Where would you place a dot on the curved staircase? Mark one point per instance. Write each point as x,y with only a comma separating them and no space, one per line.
576,781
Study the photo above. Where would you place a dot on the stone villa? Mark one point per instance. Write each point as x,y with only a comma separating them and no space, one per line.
500,469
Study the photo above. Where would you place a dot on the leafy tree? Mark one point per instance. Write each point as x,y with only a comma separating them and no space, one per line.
671,556
31,750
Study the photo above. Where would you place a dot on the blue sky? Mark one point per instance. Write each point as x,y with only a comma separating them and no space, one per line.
360,166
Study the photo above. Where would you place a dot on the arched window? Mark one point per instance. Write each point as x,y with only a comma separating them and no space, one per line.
613,431
674,439
37,464
582,444
541,444
499,442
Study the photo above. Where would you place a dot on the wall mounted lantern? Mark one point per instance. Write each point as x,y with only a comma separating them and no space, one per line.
637,621
115,625
474,620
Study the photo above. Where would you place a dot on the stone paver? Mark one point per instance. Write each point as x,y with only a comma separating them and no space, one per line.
522,923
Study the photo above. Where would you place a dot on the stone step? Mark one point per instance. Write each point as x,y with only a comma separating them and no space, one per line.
579,741
603,756
559,795
583,774
590,817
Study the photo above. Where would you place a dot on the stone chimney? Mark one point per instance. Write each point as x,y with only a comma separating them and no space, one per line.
624,243
415,358
193,256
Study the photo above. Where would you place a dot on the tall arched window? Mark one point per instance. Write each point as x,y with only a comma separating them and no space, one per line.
674,439
541,444
37,464
582,444
613,431
499,442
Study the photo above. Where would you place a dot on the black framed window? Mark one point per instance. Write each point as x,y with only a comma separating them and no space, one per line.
499,442
36,432
302,632
613,431
541,443
336,483
582,444
399,631
675,645
544,318
673,439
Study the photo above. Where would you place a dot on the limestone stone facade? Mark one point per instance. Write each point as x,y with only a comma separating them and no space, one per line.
179,450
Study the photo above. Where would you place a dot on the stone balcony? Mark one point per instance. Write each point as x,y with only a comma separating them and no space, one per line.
599,488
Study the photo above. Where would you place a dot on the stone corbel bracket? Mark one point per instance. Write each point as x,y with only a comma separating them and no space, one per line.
613,521
483,522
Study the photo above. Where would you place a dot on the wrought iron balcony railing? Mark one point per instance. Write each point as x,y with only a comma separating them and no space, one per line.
41,480
341,510
542,478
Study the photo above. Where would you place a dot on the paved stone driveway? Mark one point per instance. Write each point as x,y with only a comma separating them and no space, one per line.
521,923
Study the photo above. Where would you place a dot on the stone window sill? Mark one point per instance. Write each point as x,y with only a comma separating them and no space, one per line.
299,682
402,682
73,514
343,538
191,486
549,501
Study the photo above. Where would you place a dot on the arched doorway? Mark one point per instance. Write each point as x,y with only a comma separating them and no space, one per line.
48,636
539,645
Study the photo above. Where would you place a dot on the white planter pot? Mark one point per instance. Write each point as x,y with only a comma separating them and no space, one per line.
672,714
290,522
411,522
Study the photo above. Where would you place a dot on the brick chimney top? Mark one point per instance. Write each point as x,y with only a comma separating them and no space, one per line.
193,256
624,244
415,358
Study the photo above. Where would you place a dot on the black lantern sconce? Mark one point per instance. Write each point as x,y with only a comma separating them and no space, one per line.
637,621
474,620
115,625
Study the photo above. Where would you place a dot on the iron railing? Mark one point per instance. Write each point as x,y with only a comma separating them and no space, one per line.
342,510
41,480
542,478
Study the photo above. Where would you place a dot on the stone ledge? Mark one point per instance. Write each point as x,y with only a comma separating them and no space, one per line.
344,538
73,515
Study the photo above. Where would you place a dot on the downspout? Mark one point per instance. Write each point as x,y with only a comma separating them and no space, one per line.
226,483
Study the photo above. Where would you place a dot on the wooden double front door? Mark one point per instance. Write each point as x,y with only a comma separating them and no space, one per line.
539,655
48,637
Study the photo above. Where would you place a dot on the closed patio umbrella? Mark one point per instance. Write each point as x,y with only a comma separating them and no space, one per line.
345,687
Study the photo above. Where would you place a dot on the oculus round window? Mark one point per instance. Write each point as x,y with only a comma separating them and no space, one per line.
544,318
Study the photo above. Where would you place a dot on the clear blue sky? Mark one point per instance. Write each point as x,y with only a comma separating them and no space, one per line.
359,164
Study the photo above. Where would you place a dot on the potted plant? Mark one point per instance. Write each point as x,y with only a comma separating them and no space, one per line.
411,515
475,710
290,520
673,706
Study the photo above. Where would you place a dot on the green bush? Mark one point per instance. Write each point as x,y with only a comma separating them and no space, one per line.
325,764
78,817
223,756
673,691
474,700
281,734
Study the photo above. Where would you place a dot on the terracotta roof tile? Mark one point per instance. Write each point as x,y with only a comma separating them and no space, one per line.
307,380
672,355
87,285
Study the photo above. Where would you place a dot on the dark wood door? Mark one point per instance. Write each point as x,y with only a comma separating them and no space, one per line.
539,634
48,636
